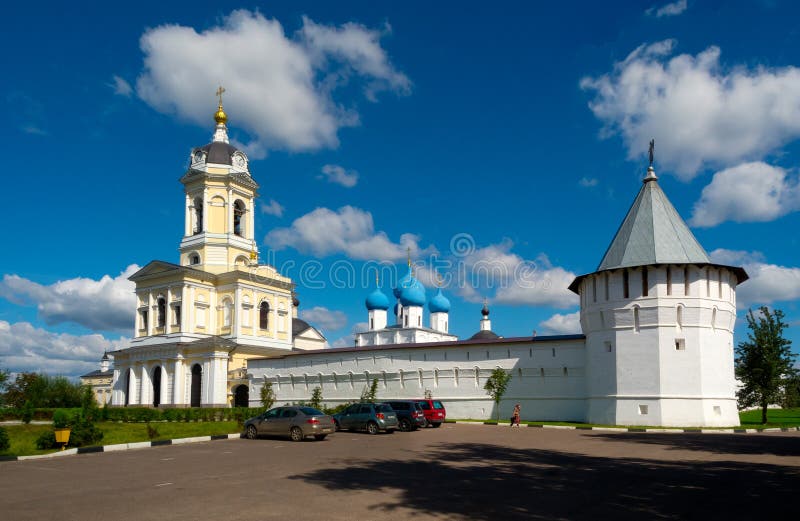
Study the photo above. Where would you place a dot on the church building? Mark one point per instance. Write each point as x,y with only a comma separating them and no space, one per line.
198,321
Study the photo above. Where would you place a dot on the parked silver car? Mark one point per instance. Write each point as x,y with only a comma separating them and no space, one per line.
294,421
372,417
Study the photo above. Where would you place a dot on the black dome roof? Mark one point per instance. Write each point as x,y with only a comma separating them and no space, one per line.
219,152
485,335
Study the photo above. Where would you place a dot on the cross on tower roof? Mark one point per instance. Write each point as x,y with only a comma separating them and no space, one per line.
219,93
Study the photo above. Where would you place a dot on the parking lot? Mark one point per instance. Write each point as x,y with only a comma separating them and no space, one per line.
454,472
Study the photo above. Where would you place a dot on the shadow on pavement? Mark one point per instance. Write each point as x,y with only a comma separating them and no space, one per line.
480,481
716,443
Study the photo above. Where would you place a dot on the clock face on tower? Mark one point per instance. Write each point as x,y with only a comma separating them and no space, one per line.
198,156
238,161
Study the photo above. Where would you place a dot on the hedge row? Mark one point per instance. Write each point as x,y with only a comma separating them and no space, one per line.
145,414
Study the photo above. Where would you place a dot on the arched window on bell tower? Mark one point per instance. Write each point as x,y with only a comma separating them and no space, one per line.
198,215
162,312
238,218
263,315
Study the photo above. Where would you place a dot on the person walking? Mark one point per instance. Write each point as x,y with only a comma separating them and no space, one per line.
515,415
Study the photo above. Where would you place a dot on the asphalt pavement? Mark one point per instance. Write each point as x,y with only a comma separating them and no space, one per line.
454,472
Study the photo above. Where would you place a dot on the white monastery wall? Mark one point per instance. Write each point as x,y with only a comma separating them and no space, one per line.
547,376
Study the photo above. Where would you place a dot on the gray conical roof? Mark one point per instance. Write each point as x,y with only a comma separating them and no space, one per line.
652,233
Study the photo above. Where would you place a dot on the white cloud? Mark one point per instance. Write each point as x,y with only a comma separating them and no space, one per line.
279,87
699,114
324,318
750,192
349,340
359,48
273,207
671,9
588,182
348,230
768,283
24,347
558,324
107,304
337,174
513,279
120,86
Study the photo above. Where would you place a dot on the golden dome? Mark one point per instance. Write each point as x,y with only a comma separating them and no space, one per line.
219,116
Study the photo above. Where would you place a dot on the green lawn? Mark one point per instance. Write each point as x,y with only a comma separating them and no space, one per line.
23,437
775,418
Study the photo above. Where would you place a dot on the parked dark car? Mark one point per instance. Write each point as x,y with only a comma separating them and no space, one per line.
293,421
410,415
372,417
434,412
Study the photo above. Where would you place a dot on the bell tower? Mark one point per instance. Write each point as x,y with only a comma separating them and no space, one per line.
220,198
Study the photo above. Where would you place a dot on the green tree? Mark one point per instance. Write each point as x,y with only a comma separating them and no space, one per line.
496,386
791,396
370,393
267,395
4,377
42,391
316,398
764,362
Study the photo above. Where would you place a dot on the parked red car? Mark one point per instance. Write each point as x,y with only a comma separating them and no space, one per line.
434,412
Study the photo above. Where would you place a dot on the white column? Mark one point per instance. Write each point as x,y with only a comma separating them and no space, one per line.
177,382
150,317
230,210
187,228
237,310
164,391
274,318
133,397
205,210
188,309
251,220
167,310
146,387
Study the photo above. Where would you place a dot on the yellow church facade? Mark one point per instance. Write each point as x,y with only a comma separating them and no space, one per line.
199,321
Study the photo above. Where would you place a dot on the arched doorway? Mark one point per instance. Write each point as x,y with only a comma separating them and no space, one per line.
197,380
241,396
157,386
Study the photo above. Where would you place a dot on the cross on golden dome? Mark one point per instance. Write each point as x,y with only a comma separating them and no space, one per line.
220,117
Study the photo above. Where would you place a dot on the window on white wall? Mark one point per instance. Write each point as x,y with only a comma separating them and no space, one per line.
335,383
435,378
636,319
455,376
679,316
421,382
680,344
669,280
477,377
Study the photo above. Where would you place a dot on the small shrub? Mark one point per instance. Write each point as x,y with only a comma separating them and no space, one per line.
61,419
152,432
26,414
316,398
46,440
5,443
84,432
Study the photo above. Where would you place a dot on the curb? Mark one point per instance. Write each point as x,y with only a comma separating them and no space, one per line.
638,429
123,446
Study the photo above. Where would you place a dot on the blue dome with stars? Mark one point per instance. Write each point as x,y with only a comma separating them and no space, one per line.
439,303
377,300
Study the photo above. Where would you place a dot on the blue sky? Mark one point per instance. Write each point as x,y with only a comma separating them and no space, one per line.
516,132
